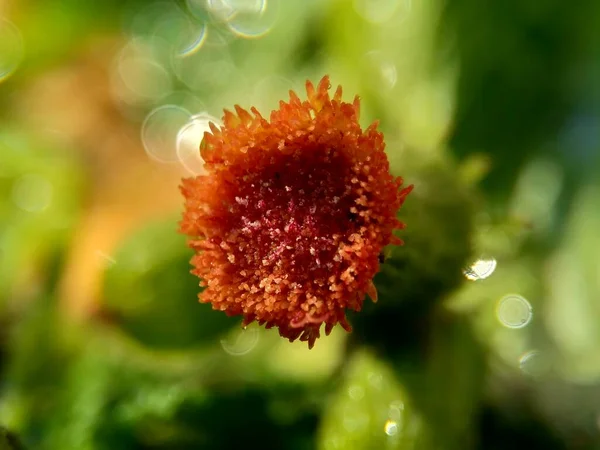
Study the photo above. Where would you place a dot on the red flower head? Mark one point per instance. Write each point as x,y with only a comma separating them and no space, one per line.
290,219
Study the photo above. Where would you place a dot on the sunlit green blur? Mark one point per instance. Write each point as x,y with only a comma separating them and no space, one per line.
486,334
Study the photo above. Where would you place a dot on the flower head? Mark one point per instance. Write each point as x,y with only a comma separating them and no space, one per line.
290,219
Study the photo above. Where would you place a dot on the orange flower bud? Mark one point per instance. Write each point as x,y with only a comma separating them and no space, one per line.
293,213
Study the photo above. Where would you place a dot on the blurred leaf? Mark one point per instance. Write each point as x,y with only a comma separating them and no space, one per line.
153,296
572,311
453,385
40,193
39,361
9,441
437,239
371,410
521,61
111,401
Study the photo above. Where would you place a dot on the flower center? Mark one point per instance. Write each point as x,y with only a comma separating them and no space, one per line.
293,215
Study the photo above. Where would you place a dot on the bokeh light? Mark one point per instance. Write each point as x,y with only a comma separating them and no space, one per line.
207,70
160,131
188,142
391,427
137,75
253,18
241,341
480,269
382,68
534,363
32,193
220,9
514,311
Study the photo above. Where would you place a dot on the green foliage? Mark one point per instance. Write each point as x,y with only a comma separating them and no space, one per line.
371,409
8,440
438,214
431,365
151,294
40,195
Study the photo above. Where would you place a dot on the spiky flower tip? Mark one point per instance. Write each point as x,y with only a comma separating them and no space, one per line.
289,221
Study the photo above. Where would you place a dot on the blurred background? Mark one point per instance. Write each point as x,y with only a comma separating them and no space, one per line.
487,330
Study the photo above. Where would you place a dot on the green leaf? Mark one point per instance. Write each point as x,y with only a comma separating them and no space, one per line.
153,296
371,410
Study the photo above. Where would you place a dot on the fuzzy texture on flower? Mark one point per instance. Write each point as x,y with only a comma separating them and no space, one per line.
289,221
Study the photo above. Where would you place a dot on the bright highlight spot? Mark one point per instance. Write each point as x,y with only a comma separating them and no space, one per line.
188,142
390,428
480,269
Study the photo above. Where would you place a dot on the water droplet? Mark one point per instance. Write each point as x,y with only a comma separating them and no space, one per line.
480,269
188,142
242,342
160,131
11,48
253,18
390,428
32,193
514,311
